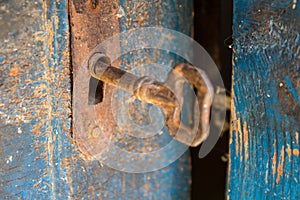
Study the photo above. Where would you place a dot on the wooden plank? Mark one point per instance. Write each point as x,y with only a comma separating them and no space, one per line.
264,144
35,97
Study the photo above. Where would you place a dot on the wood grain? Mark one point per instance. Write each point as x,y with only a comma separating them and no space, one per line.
264,144
35,98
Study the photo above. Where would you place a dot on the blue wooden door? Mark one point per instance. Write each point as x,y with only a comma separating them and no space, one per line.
39,158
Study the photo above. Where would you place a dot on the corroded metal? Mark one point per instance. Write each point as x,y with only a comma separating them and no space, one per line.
168,95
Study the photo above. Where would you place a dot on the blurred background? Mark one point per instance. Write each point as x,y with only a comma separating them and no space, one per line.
213,30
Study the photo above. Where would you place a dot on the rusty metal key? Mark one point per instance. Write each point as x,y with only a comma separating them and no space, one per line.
169,96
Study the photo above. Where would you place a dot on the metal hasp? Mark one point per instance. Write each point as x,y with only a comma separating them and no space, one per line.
169,96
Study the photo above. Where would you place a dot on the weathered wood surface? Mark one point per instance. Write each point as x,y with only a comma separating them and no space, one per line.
264,144
35,102
38,157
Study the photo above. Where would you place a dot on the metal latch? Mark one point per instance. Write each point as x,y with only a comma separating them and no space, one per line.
187,114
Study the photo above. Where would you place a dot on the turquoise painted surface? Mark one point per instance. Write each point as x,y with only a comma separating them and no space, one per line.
39,159
35,97
264,146
176,15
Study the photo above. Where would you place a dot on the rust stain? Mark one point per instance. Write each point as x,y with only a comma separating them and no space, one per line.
86,34
15,70
280,166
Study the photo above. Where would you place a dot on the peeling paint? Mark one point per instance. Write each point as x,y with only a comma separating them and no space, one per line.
280,165
246,141
266,101
15,71
274,161
296,152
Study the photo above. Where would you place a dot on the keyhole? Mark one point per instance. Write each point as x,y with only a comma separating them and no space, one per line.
94,3
95,91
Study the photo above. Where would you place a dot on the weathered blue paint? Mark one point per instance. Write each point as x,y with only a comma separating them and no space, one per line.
35,99
264,145
176,15
38,158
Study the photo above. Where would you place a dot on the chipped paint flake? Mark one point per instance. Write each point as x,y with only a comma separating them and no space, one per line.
15,70
246,140
274,161
296,152
280,166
